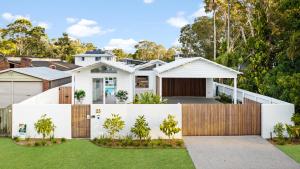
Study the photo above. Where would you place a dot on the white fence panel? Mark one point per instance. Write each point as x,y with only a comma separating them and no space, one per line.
154,114
30,113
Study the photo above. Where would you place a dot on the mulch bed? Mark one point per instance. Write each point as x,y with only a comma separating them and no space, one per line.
38,142
287,141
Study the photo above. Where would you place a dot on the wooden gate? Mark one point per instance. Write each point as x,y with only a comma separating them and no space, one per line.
5,121
81,121
65,95
221,119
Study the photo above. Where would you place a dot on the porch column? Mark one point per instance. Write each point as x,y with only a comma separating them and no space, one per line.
235,91
160,87
73,89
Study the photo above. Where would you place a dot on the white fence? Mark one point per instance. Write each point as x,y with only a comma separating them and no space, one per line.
30,113
154,114
272,110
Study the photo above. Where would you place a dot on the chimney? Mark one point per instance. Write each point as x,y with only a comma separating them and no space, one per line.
25,62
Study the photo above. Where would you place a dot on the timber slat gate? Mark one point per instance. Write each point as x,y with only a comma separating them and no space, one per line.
81,121
65,95
221,119
5,121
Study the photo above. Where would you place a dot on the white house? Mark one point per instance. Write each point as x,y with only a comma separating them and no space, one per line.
182,77
94,56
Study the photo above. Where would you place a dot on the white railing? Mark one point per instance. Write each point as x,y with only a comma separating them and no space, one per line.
241,94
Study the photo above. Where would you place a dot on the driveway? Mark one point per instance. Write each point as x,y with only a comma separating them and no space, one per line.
236,152
190,100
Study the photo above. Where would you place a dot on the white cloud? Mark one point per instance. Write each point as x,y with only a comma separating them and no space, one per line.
148,1
44,25
86,28
125,44
10,17
178,21
71,20
200,12
176,43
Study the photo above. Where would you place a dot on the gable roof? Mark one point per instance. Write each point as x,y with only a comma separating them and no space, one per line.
184,61
118,65
150,63
40,72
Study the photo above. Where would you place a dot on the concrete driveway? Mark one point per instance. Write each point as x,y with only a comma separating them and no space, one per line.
236,152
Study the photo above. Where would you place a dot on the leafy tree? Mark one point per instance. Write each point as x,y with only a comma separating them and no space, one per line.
120,54
44,126
169,126
141,128
114,125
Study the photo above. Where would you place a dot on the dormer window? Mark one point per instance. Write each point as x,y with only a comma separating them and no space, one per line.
104,69
82,58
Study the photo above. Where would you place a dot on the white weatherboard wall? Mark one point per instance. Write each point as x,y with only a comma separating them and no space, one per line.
271,114
30,113
154,115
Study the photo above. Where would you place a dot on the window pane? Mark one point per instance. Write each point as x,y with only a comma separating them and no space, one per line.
142,82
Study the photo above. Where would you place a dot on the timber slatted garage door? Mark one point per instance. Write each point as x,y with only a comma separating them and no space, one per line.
183,87
221,119
81,121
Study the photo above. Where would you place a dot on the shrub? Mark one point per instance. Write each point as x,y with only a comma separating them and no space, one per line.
54,141
44,143
113,125
169,126
103,140
278,130
290,131
296,119
122,95
127,141
149,98
63,140
16,138
44,126
79,95
37,144
141,128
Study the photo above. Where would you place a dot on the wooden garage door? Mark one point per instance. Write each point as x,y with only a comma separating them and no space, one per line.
184,87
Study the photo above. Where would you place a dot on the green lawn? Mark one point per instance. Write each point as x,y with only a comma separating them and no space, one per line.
83,154
291,150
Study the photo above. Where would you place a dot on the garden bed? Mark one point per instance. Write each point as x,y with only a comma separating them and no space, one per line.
38,142
129,143
274,141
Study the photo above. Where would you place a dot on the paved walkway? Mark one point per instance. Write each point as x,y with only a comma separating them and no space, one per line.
236,152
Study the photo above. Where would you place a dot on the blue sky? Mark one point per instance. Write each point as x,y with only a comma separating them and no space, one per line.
107,23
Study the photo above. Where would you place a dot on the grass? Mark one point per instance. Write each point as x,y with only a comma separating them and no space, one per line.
291,150
84,154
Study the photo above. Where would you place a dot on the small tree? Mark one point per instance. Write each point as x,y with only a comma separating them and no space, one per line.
79,95
141,128
113,125
169,126
278,130
122,95
44,126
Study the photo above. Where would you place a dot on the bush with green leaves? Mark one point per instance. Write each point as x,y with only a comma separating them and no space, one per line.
278,130
141,128
296,119
113,125
44,126
79,95
122,95
169,126
149,98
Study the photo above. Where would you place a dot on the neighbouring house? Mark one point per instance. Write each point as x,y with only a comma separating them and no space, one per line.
132,62
94,56
18,84
180,78
21,62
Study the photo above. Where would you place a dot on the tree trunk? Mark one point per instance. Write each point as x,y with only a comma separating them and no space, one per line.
215,34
